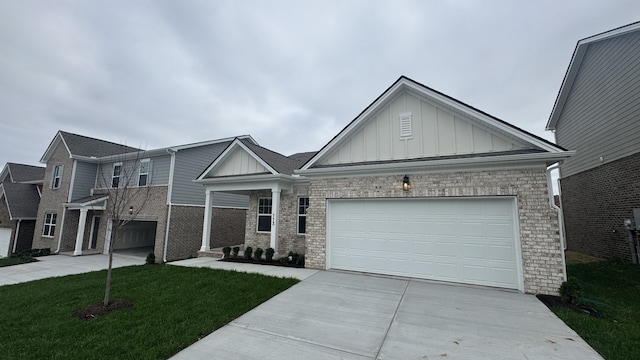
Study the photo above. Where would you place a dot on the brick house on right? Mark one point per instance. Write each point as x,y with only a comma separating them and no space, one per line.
597,113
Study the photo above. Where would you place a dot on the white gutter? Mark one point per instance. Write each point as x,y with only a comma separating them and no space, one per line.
15,238
61,229
560,218
172,169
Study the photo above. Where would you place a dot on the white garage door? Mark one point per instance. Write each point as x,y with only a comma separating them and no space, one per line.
5,241
464,240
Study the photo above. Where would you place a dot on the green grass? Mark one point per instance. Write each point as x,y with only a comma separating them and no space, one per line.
9,261
615,286
172,308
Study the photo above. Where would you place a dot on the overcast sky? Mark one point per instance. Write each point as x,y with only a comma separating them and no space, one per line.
153,74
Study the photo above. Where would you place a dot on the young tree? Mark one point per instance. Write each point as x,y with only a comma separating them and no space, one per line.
127,184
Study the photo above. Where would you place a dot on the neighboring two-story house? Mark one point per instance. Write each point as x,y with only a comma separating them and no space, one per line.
418,185
20,187
597,113
82,173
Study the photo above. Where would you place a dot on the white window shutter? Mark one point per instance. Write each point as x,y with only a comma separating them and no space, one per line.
405,124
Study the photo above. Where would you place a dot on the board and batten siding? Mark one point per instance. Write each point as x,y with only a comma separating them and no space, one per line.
435,131
241,163
84,180
189,163
601,117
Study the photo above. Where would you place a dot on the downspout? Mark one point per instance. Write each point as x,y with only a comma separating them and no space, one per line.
169,204
64,211
558,210
15,238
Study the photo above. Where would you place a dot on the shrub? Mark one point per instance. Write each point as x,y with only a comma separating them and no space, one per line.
236,250
258,253
247,252
300,261
268,255
571,291
151,259
226,251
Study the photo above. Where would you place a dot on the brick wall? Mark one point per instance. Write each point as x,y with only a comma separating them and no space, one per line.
52,199
595,204
185,231
288,239
540,243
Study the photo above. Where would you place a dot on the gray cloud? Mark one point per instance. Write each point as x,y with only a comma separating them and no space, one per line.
291,74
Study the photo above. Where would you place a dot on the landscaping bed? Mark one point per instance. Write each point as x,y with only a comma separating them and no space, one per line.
292,259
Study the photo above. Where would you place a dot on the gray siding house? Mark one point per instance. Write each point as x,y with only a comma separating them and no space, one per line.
20,187
84,174
597,113
418,185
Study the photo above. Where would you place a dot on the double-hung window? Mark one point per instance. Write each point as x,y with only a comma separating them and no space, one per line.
49,228
56,177
264,214
303,205
143,172
115,177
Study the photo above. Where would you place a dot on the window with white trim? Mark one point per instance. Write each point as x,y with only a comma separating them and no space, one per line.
56,177
264,214
49,227
303,206
115,176
143,172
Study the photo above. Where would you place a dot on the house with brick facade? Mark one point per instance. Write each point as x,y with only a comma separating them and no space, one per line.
597,113
20,187
84,174
419,185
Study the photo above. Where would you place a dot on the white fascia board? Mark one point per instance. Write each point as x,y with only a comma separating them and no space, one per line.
447,165
211,142
5,172
54,143
247,183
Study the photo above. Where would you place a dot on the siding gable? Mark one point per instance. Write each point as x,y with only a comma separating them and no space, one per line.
600,116
240,163
434,131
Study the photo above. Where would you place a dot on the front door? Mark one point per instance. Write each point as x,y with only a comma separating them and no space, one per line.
95,225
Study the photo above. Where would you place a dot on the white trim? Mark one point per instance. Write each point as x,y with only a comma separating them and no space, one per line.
15,238
166,234
91,232
64,212
73,180
172,169
230,150
140,173
258,215
298,214
54,224
113,176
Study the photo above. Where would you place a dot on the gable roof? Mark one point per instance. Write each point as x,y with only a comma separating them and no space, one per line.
275,163
84,146
404,83
21,173
582,47
22,200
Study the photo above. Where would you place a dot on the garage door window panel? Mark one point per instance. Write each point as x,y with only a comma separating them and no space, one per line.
264,214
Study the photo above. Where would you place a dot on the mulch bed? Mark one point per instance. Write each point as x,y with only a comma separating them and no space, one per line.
552,301
261,262
95,310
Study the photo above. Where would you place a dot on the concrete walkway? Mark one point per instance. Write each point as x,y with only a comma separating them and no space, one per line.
61,265
336,315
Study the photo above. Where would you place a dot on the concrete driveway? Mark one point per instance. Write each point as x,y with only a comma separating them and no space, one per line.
336,315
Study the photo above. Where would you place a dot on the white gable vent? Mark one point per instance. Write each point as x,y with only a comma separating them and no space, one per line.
405,124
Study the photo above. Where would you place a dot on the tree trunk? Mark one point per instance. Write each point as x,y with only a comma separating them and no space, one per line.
107,289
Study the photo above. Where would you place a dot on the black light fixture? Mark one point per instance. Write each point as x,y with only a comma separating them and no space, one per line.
130,210
406,185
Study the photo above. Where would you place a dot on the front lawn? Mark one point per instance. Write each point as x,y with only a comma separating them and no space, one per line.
613,288
172,308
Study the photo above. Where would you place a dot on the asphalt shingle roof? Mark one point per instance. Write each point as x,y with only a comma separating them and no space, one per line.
23,199
25,173
279,162
86,146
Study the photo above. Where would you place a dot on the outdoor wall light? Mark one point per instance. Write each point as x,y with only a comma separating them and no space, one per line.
406,185
130,210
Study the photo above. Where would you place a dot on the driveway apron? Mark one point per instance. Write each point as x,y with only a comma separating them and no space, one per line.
337,315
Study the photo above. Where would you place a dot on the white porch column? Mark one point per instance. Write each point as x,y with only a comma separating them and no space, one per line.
275,213
80,233
206,224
